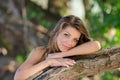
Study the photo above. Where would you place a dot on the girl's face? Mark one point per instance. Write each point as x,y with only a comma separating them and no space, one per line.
68,38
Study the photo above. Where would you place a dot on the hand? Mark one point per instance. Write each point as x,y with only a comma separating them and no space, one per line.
61,62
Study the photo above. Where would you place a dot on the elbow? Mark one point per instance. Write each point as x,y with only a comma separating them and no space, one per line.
97,45
17,78
18,75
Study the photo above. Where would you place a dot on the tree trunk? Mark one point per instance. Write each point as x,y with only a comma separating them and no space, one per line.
101,61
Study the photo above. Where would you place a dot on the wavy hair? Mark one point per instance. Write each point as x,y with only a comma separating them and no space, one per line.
72,21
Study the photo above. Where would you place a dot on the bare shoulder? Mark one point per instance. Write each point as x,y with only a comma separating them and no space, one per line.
36,55
40,49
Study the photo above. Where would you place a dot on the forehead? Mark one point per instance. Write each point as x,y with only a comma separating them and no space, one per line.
71,30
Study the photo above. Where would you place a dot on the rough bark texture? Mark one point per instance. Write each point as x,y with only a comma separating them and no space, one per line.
104,60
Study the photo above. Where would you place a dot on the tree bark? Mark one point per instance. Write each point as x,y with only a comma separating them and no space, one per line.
101,61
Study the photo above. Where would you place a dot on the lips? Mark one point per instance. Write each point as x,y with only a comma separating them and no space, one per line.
65,47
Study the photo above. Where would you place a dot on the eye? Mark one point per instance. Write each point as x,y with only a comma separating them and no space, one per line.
66,34
76,40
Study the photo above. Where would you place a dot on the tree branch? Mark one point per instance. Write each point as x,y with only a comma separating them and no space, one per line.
101,61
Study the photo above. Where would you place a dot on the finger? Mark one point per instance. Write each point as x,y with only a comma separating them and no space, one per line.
66,65
70,63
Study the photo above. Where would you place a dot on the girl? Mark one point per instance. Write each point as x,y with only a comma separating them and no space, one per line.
69,38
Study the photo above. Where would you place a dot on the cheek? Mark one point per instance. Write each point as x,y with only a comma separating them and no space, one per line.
74,44
60,40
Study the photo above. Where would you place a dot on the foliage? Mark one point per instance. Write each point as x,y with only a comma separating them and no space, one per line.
112,75
105,26
37,15
5,43
21,58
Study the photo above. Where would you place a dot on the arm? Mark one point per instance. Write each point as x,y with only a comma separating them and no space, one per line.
83,49
34,64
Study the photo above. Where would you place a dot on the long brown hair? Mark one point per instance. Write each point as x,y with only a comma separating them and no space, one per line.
72,21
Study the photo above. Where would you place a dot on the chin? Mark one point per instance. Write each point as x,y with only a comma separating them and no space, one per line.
62,49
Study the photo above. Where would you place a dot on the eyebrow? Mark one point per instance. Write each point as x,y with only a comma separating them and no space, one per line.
70,34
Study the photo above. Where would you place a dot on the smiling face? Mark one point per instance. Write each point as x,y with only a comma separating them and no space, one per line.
66,33
68,38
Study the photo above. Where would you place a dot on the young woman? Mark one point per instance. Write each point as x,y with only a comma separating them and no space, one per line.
69,38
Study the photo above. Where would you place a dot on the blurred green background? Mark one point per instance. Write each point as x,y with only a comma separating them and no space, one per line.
25,24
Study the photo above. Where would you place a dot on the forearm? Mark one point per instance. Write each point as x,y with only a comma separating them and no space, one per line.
82,49
27,72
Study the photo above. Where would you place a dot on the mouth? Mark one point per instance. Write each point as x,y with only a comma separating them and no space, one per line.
66,47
